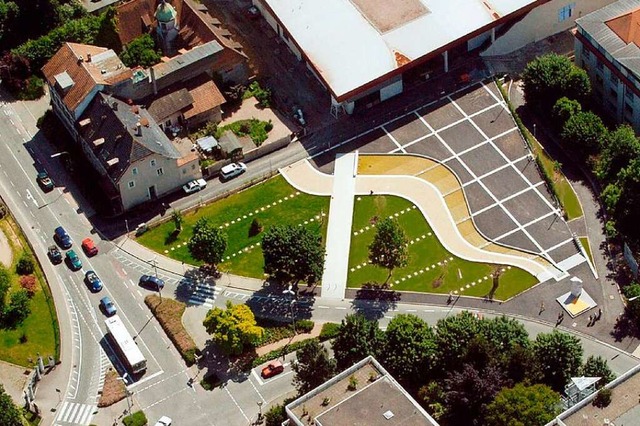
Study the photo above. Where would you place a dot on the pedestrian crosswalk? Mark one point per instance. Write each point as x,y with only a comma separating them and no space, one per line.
71,413
204,295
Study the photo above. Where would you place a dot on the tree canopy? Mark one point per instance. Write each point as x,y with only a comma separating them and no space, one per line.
550,77
358,338
523,405
453,336
141,51
208,242
293,254
621,148
560,357
10,414
585,132
389,246
564,109
233,328
596,366
408,348
313,366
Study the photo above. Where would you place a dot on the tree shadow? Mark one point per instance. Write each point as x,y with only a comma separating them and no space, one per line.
226,368
373,300
624,327
272,301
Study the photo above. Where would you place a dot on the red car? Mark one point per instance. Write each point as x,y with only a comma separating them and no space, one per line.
89,247
272,369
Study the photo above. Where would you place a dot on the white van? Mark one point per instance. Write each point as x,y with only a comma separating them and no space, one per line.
232,170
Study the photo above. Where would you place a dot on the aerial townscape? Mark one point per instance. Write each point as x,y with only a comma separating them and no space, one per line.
319,212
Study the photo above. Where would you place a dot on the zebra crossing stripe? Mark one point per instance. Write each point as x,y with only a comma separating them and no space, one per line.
80,414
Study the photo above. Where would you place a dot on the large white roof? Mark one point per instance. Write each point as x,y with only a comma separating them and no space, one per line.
348,51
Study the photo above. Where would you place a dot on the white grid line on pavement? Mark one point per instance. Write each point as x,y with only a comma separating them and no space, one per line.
510,197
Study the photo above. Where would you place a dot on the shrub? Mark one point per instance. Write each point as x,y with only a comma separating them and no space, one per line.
29,283
169,312
25,265
140,51
136,419
304,326
255,228
278,353
24,338
33,89
263,96
353,383
329,331
603,398
210,381
18,309
268,127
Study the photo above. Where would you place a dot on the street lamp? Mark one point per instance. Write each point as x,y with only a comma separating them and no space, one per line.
293,301
259,421
154,262
127,392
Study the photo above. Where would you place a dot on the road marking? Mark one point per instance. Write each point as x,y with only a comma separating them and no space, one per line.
258,392
146,379
235,402
170,396
342,308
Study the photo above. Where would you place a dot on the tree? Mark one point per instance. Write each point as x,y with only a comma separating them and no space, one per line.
622,146
467,393
389,246
633,307
8,13
140,51
232,328
560,356
585,132
10,414
550,77
358,338
18,309
520,365
596,366
178,219
408,348
5,285
293,254
505,333
453,335
313,366
208,242
563,109
523,405
25,265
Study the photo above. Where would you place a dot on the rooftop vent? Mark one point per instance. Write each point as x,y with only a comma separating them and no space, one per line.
63,81
112,162
388,415
84,123
98,142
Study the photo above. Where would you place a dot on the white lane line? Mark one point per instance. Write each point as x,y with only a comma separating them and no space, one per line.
342,308
237,405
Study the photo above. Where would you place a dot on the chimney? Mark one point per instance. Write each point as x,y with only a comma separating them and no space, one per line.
153,80
138,129
88,57
80,60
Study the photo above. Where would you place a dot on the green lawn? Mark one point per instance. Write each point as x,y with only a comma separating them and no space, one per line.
271,202
41,326
587,248
431,268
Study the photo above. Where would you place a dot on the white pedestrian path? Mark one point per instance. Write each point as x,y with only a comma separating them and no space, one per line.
336,266
75,414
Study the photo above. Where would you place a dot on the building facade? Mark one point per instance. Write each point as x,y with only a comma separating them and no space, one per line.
607,47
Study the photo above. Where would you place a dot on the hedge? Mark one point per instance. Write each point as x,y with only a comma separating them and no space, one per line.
136,419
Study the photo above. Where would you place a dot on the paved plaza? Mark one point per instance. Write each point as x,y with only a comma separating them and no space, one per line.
474,135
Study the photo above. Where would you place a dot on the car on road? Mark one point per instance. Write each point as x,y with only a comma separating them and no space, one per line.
93,281
272,369
152,282
107,306
62,238
89,247
194,186
73,260
45,181
164,421
232,170
54,255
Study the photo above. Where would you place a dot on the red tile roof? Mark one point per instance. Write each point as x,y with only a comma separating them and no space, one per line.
206,96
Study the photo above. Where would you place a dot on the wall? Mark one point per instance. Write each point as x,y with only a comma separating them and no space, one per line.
284,36
540,23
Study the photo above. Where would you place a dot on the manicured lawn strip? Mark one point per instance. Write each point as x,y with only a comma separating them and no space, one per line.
169,312
41,326
295,210
587,248
366,207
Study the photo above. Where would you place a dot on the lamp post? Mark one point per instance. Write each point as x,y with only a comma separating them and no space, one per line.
259,421
154,262
127,392
293,301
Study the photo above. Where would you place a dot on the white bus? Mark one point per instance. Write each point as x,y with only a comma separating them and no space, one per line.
125,345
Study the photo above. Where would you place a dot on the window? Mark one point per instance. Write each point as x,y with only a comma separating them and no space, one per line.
184,171
628,109
614,80
565,12
167,123
613,93
160,171
599,79
628,94
600,66
153,163
193,167
586,54
134,171
132,183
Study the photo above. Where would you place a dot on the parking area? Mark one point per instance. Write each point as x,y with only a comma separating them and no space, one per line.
472,132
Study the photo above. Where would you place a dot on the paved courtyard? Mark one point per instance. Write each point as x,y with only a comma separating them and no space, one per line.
473,133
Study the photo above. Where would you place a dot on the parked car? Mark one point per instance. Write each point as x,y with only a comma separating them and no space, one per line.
45,181
62,238
164,421
93,281
272,369
152,282
194,186
73,260
232,170
54,255
107,306
89,247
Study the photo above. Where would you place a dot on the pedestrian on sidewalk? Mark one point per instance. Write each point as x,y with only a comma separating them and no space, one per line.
599,314
541,307
591,320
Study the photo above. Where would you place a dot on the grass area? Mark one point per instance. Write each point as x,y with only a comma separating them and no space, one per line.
441,271
278,330
587,248
113,389
271,202
169,312
39,333
256,129
136,419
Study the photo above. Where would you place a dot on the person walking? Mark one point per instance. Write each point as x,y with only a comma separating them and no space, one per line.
541,307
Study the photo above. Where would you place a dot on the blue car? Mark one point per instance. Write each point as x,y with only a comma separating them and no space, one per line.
93,281
107,306
62,238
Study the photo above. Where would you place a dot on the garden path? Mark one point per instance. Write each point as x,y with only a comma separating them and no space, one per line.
6,255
